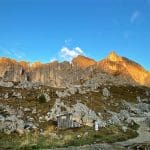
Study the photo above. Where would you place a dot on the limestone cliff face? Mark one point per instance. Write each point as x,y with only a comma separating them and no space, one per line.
59,74
80,70
117,65
83,62
11,70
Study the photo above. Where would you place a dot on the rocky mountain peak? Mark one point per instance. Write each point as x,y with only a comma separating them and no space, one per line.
114,57
83,62
36,64
4,60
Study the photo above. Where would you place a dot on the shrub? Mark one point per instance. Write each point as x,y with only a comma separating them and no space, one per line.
42,98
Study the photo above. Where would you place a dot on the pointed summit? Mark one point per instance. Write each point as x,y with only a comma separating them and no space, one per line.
114,57
83,61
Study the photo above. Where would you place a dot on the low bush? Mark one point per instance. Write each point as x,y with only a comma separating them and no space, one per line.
42,98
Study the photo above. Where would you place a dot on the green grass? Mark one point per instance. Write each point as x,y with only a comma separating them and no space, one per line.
65,138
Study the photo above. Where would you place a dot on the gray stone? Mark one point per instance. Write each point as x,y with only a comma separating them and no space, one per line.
34,111
147,93
17,95
124,129
138,98
29,125
143,107
27,110
106,92
6,96
47,97
6,84
2,118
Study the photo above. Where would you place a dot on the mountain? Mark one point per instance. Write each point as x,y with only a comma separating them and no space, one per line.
62,104
112,68
117,65
83,62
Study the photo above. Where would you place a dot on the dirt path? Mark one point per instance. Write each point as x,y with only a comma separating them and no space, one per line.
144,134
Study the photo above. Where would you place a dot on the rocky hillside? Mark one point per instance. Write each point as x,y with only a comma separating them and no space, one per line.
78,72
28,113
108,93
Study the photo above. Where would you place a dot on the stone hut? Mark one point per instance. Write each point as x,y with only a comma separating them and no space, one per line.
64,121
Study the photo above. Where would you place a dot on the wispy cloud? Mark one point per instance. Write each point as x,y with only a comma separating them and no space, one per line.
68,41
135,15
69,54
17,54
13,53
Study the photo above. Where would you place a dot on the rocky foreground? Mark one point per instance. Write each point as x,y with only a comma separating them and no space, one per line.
29,114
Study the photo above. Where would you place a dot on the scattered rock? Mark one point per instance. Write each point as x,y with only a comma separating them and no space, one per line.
106,92
6,96
138,99
27,109
17,95
147,93
6,84
47,97
124,129
34,111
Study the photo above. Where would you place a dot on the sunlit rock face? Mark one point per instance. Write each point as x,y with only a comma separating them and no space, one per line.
117,65
11,70
114,57
78,71
52,74
59,74
83,62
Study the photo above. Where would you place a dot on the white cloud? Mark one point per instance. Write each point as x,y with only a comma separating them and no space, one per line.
69,54
135,15
78,49
53,59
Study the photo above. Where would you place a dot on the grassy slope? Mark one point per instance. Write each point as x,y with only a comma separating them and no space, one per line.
93,100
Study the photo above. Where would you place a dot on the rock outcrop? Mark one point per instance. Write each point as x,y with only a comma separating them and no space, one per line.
78,72
117,65
83,62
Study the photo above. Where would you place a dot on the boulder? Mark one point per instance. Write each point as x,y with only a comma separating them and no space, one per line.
29,125
17,95
83,115
147,121
47,97
147,93
106,92
73,90
6,84
143,107
6,96
124,129
27,110
138,98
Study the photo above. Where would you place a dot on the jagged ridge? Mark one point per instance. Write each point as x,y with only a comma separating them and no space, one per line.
81,69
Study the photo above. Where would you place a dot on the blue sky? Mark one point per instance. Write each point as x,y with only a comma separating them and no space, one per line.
45,30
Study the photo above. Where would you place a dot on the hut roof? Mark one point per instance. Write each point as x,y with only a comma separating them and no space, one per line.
64,114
